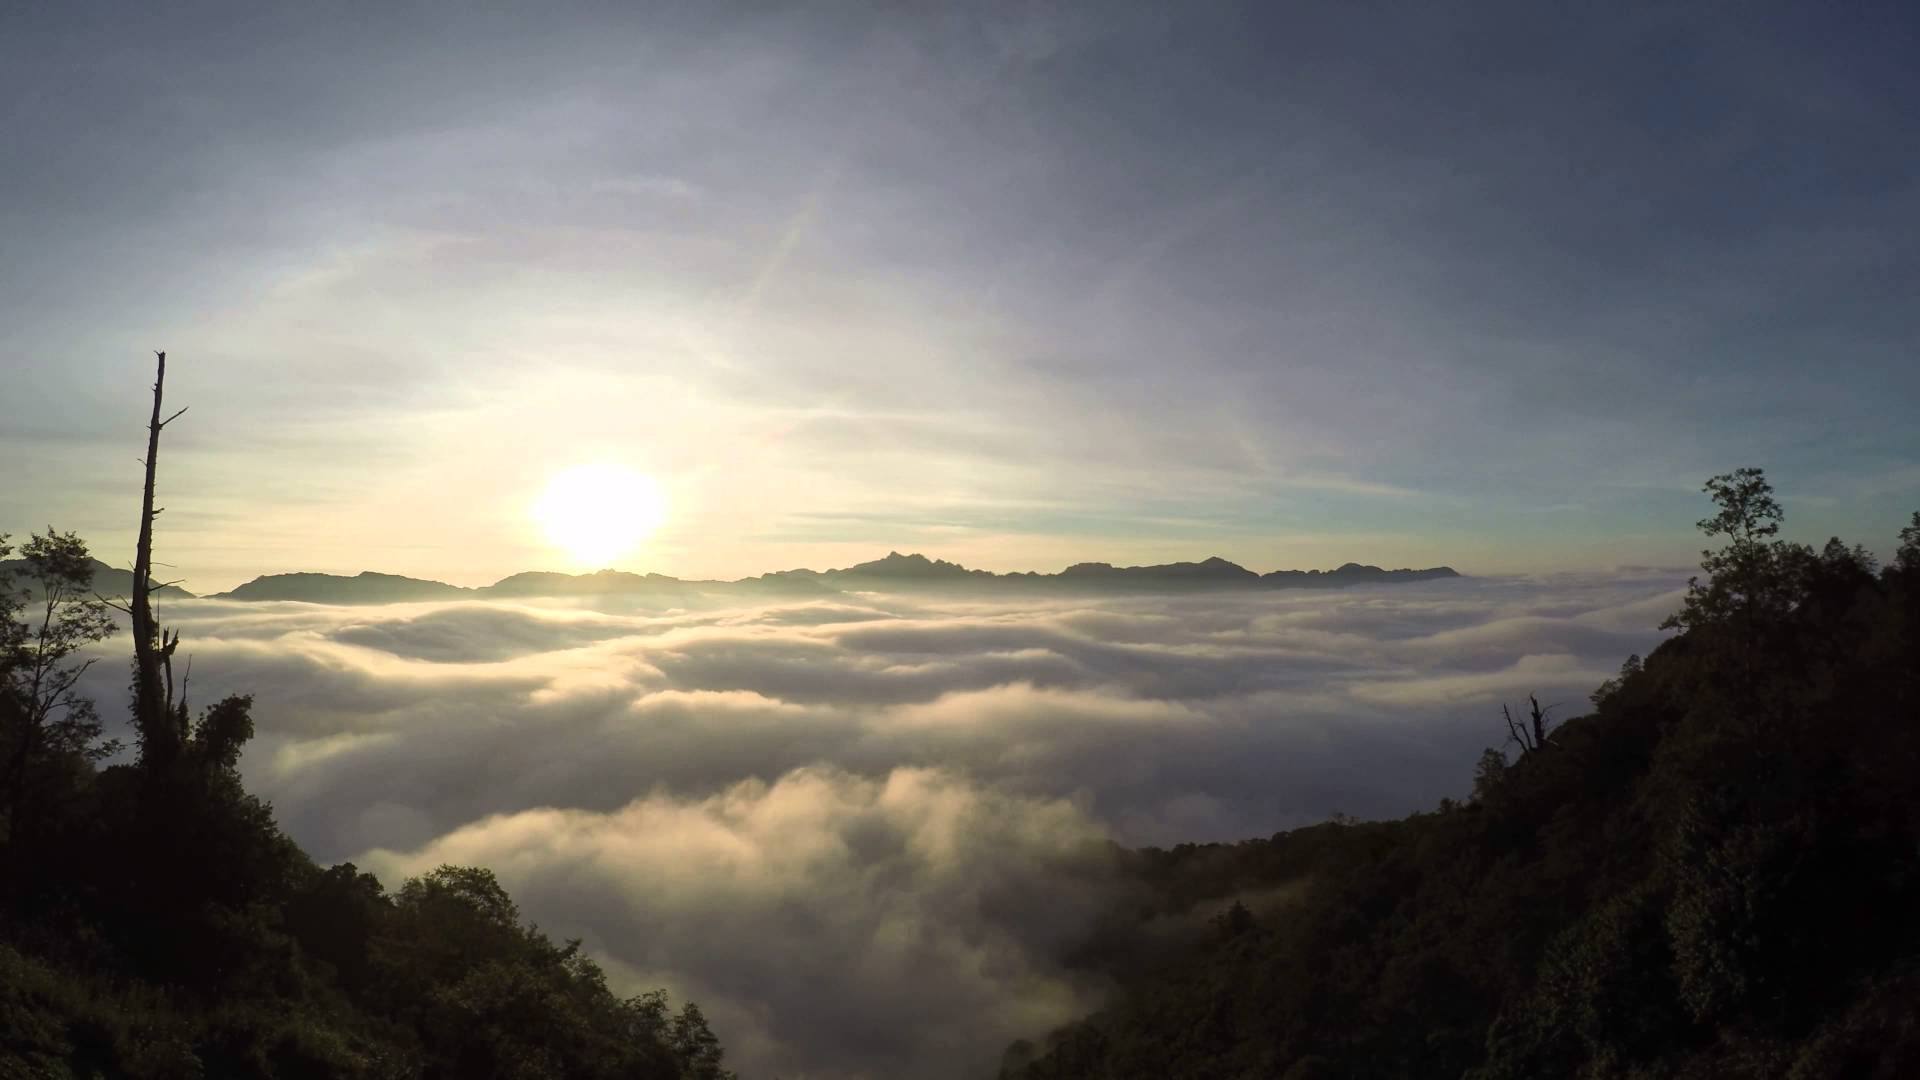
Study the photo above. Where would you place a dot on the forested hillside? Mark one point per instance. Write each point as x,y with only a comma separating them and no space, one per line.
1713,873
156,923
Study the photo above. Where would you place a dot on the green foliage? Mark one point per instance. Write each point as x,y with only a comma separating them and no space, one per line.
1715,873
155,923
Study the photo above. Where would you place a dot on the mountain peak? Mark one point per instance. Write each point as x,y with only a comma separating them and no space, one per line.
914,565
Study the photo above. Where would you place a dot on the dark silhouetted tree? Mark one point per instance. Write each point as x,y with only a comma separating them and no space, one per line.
1748,579
1233,922
695,1049
160,727
43,716
1612,686
1907,557
1530,734
1489,774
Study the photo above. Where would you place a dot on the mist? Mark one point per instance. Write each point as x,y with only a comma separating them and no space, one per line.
865,831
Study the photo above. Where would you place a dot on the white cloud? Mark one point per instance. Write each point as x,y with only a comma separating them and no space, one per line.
897,926
857,828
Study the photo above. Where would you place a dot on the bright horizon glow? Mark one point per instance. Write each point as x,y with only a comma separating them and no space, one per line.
600,512
950,283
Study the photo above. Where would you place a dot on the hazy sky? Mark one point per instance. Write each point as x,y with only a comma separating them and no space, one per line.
1014,285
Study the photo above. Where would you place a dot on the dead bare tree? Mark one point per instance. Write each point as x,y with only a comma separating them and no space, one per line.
161,726
1531,734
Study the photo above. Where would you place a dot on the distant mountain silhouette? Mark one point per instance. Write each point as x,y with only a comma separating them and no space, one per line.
107,581
1351,574
895,571
599,583
365,587
916,567
1212,571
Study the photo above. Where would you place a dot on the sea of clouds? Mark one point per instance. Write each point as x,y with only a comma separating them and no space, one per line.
861,832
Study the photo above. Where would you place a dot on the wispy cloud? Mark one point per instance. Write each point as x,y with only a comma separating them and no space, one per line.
819,261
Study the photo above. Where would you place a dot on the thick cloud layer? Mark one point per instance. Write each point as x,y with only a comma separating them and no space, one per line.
861,831
895,927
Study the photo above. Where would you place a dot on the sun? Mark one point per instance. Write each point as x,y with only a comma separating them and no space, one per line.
597,513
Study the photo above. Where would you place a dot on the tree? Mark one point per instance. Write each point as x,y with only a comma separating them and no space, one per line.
1907,558
1613,686
1234,921
1748,513
1749,579
161,721
160,727
44,717
695,1046
1531,735
1489,774
11,631
686,1035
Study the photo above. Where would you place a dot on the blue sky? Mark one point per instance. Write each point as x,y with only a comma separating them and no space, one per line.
1490,285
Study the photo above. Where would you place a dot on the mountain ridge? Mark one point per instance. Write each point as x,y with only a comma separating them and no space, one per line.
894,570
108,580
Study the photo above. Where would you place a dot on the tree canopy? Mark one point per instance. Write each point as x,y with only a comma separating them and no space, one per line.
1714,873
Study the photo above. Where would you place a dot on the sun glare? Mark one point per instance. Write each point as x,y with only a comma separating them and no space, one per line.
597,513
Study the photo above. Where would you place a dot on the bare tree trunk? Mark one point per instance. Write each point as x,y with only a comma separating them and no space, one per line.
153,711
1517,732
